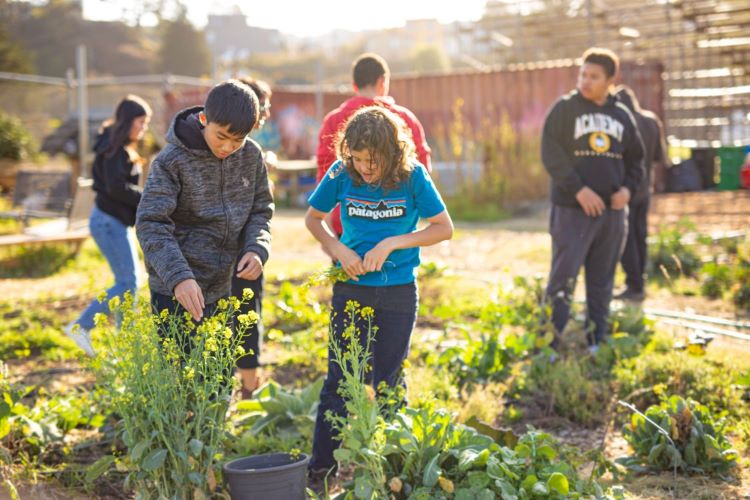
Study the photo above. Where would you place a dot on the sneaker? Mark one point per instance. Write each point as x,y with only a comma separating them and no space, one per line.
81,337
631,295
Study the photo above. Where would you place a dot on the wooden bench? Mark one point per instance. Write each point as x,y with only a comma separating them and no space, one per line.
41,194
73,229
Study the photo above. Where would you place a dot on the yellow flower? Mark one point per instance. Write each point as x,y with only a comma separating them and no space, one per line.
114,303
211,345
235,302
222,304
102,296
227,333
351,306
247,294
367,312
100,319
189,373
248,319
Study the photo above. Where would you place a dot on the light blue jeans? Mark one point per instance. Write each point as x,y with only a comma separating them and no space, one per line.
117,244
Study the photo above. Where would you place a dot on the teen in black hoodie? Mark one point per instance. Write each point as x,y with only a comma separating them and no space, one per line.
116,172
593,153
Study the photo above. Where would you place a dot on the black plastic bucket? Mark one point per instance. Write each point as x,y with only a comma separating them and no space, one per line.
275,476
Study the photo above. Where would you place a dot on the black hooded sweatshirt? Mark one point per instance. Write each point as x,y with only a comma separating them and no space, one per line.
584,144
116,181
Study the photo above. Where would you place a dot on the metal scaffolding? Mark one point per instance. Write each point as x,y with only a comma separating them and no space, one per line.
703,46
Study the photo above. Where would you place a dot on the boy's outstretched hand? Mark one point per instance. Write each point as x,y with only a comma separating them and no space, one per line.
250,266
190,296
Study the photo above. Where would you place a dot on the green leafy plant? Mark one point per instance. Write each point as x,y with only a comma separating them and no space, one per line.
16,143
34,424
423,454
26,331
669,256
294,308
679,435
511,326
705,379
276,419
715,279
172,390
569,389
740,288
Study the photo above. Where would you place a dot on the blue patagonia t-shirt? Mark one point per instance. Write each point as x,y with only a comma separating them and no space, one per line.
369,214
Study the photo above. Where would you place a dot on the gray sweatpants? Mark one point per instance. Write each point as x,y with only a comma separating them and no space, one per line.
595,243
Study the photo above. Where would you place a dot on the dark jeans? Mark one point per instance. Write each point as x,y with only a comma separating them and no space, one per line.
596,244
636,251
395,315
253,340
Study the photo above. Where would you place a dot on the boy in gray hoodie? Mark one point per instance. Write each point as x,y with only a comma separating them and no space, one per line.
206,200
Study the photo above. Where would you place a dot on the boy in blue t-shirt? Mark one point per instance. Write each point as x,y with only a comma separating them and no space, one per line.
383,193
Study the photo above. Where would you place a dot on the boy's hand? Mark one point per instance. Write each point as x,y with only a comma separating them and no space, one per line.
592,204
350,261
620,199
250,266
190,296
375,258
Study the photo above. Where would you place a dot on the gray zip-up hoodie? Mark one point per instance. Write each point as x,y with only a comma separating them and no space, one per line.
198,213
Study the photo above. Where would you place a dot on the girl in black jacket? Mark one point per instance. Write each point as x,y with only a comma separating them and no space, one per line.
116,172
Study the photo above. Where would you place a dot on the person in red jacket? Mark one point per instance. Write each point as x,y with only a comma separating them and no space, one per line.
370,81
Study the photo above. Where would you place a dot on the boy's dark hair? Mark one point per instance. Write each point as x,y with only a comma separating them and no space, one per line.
604,58
262,89
367,69
234,104
385,136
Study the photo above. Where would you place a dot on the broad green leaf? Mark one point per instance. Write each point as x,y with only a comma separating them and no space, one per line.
137,452
507,490
431,472
559,483
196,446
540,489
154,460
529,482
547,452
98,468
478,479
523,450
196,478
4,427
342,454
